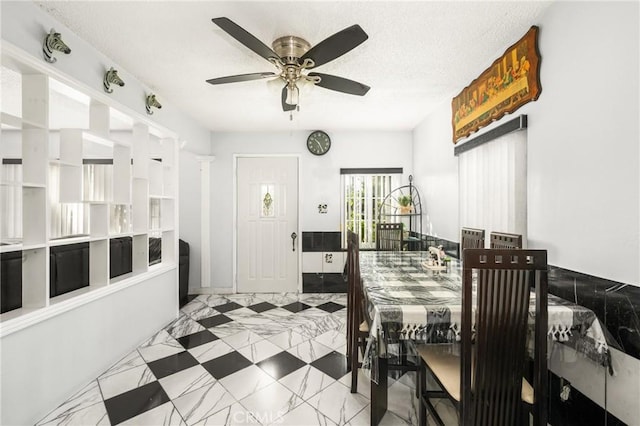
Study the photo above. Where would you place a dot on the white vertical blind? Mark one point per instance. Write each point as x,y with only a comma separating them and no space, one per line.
493,186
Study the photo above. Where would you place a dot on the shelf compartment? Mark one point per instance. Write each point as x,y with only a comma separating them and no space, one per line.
140,253
98,263
34,206
140,208
35,285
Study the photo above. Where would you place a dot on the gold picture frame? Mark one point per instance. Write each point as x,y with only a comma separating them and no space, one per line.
510,82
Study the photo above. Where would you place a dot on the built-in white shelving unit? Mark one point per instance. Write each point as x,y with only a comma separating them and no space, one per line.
116,179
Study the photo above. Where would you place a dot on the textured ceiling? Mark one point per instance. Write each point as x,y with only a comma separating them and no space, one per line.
418,55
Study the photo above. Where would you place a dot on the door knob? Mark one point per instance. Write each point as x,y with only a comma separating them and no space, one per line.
293,240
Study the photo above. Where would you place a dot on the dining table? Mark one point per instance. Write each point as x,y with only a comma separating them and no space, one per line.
409,302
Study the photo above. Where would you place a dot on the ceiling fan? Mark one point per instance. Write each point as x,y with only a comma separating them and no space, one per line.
294,56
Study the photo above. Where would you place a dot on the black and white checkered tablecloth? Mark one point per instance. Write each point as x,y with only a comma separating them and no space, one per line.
407,301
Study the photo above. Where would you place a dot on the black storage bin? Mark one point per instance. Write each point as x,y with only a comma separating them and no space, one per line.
155,250
120,256
69,268
183,271
11,281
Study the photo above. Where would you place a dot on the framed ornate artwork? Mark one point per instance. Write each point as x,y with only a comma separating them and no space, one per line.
510,82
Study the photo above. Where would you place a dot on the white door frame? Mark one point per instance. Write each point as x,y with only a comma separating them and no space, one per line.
235,215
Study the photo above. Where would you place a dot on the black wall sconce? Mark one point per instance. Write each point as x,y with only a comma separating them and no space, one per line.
111,77
152,102
53,43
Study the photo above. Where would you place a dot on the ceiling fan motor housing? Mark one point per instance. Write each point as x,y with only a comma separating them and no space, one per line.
290,48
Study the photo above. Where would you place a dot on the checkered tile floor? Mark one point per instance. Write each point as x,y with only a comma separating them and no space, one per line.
239,360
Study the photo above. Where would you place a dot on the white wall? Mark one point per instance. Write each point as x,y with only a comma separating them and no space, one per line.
583,167
583,157
319,179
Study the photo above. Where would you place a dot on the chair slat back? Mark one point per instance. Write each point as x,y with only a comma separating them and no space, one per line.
504,279
503,240
471,238
389,236
354,289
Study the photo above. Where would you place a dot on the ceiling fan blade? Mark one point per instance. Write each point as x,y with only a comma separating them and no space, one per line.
340,84
240,34
285,105
241,77
336,45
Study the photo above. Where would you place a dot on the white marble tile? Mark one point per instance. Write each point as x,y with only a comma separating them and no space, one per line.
364,383
318,324
268,329
212,300
260,350
246,381
233,415
124,381
272,401
446,411
278,314
309,351
288,339
306,381
244,299
84,398
204,312
183,326
163,415
161,350
315,299
338,403
363,418
210,350
191,307
186,381
241,313
228,329
133,359
279,299
303,414
402,401
95,414
242,339
160,337
332,338
203,402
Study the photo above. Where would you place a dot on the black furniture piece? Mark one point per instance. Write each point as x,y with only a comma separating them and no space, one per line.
503,240
11,279
389,236
120,256
69,268
471,238
183,272
483,376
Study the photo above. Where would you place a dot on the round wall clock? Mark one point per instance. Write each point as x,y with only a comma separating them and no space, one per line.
318,142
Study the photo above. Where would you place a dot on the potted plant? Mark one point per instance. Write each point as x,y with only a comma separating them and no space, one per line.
404,201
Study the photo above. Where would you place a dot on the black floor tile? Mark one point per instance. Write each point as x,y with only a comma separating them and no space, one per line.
330,307
226,364
281,364
262,307
214,321
196,339
296,307
172,364
227,307
333,364
134,402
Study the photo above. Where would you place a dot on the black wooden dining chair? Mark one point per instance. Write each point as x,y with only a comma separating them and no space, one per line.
483,376
357,317
471,238
389,236
503,240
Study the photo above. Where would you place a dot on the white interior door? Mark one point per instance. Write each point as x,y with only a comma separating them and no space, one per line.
267,241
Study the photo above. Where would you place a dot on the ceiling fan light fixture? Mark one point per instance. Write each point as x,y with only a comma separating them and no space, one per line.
293,94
